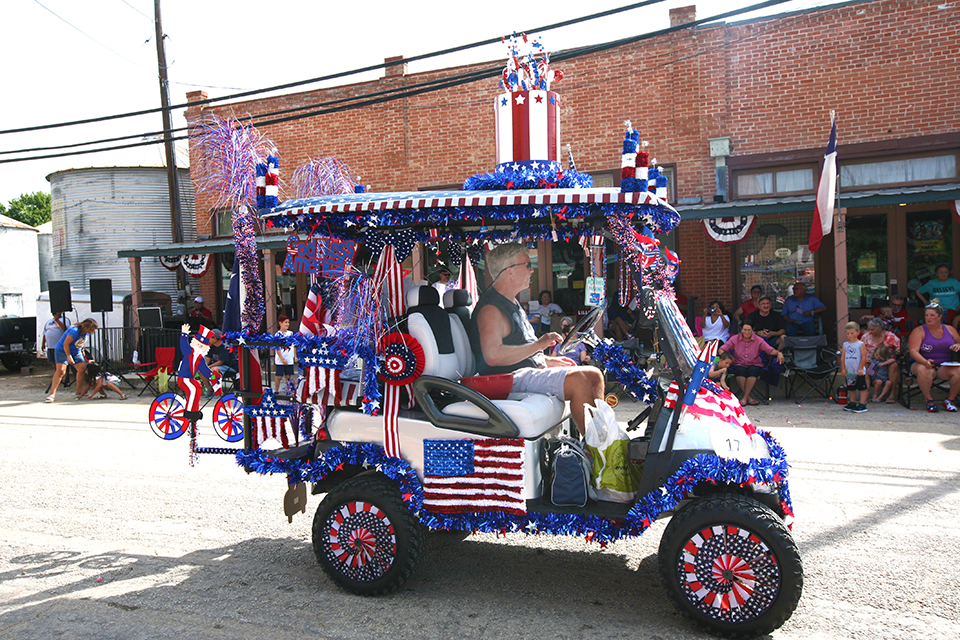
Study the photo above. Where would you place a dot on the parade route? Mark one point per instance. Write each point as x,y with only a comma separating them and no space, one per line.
108,532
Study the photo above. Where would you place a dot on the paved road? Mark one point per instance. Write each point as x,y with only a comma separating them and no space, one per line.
107,532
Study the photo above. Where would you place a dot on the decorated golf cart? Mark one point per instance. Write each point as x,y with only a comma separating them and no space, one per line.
391,422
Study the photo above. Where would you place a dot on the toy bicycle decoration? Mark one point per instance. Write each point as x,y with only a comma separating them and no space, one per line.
172,414
401,439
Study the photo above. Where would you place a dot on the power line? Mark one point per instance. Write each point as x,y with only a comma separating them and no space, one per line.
382,96
84,33
332,76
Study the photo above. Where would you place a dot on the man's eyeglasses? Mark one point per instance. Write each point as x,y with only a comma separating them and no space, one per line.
527,264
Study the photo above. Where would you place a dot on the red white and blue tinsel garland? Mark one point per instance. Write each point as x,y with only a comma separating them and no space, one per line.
550,176
615,360
704,468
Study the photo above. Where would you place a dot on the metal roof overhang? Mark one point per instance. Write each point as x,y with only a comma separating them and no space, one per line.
805,204
220,245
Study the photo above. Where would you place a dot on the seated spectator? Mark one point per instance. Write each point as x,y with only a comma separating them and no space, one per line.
878,335
931,345
944,288
767,324
800,310
878,374
620,320
579,353
716,322
543,315
750,305
746,348
893,313
221,358
720,368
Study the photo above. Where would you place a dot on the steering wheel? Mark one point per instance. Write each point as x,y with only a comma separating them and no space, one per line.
582,330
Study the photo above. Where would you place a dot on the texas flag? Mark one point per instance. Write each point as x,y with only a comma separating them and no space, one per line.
826,193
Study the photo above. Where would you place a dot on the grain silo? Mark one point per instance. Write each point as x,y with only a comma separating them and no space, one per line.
97,211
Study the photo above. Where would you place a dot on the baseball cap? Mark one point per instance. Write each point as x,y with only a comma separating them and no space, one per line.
198,299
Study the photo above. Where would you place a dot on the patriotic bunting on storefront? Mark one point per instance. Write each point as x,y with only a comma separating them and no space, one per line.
730,230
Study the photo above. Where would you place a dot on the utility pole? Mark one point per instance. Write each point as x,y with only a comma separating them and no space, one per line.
176,219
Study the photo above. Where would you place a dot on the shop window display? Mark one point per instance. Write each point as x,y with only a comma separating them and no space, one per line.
867,266
775,256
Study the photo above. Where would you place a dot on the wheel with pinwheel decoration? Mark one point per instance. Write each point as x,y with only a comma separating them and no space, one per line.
166,417
365,538
730,564
228,418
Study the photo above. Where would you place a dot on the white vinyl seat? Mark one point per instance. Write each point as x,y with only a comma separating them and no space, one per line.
448,357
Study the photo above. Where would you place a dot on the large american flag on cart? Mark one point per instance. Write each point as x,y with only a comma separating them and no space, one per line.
464,476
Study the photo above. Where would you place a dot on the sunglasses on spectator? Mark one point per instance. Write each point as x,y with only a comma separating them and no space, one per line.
527,264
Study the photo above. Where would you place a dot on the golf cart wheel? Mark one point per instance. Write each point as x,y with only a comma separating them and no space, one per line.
612,399
730,564
166,417
365,538
228,418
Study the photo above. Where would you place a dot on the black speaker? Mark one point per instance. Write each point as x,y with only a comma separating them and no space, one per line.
60,301
101,295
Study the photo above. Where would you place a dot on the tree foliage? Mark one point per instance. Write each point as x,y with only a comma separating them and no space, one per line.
30,208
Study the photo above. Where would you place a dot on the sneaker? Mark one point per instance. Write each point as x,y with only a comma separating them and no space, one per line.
949,405
861,408
850,406
932,406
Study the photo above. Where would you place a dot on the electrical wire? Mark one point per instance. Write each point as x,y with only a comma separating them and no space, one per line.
382,96
332,76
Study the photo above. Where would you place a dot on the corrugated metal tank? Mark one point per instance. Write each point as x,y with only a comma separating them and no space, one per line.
98,211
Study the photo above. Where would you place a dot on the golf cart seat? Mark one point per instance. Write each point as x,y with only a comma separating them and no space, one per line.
448,357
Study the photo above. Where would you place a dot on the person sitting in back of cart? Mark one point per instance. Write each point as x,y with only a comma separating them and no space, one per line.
508,343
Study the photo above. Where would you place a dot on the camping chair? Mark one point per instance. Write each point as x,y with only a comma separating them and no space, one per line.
149,372
808,361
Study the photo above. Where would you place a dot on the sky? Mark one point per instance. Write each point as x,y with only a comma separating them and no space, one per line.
66,60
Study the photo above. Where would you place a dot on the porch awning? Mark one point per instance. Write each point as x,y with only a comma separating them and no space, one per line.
805,203
218,245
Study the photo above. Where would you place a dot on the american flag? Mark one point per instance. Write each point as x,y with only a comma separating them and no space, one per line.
464,476
321,385
315,315
468,279
270,420
388,275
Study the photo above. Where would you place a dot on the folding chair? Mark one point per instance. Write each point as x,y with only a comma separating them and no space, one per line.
809,361
149,371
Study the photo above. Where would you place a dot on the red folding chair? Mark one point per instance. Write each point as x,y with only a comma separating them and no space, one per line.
149,371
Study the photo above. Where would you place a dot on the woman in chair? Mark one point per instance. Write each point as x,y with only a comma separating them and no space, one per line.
931,345
746,348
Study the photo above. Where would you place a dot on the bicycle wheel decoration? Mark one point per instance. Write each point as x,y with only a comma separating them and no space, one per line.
360,542
166,417
228,418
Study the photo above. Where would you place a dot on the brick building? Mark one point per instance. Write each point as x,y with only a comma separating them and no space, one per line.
738,115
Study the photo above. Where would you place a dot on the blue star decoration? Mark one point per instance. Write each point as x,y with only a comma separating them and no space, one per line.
503,102
696,381
268,407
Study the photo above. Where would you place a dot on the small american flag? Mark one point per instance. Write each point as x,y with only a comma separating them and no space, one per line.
315,315
464,476
388,275
321,385
270,420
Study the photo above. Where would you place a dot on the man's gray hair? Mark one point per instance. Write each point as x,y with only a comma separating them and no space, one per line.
503,256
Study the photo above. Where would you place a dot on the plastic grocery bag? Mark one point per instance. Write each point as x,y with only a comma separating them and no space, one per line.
163,380
613,475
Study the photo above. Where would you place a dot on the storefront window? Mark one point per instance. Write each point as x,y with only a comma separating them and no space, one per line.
929,243
775,256
569,277
867,271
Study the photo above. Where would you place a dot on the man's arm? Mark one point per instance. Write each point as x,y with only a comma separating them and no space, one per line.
493,327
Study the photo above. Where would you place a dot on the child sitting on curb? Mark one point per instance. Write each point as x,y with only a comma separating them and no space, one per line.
853,366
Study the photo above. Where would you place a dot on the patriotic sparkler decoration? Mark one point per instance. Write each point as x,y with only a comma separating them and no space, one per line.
270,419
322,177
467,476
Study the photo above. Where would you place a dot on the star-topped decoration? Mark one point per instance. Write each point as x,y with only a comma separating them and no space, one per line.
268,407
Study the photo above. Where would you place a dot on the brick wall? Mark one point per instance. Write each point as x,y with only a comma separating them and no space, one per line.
887,66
